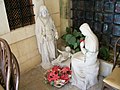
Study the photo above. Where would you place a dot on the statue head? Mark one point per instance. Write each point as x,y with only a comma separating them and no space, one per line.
43,12
85,29
87,32
68,49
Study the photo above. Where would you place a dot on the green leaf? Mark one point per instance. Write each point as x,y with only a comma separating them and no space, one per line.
52,83
75,45
77,49
72,40
68,30
76,33
104,53
68,37
64,36
82,38
78,42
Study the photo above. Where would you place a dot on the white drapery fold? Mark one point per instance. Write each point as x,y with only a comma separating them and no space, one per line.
46,35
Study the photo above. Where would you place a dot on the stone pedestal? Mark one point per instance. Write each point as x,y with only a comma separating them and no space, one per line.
105,68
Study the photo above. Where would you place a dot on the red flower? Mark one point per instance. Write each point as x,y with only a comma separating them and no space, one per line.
81,40
66,70
56,68
57,74
52,76
65,77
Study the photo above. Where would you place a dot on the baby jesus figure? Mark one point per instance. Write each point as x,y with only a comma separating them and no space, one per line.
64,55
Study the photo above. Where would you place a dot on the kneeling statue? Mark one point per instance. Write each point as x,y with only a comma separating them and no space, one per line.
85,65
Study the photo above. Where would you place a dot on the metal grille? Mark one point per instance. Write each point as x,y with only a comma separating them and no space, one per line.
103,16
19,12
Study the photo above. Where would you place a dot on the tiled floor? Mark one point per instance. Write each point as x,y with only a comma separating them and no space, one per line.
33,80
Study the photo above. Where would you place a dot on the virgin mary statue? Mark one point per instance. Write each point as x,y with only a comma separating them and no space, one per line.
46,35
85,65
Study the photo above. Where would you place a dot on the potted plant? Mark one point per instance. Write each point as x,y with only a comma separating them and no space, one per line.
72,38
104,53
106,60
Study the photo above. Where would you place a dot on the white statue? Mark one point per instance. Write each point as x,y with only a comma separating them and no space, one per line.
46,35
85,65
64,55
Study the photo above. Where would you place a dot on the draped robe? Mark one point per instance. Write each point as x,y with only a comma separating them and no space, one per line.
46,33
85,65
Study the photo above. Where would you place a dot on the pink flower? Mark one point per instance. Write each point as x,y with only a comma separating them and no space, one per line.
56,68
66,70
48,71
65,77
52,76
58,73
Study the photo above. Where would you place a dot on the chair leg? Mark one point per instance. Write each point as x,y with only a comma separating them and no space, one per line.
103,86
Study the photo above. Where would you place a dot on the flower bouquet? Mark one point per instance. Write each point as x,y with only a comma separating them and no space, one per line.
58,76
